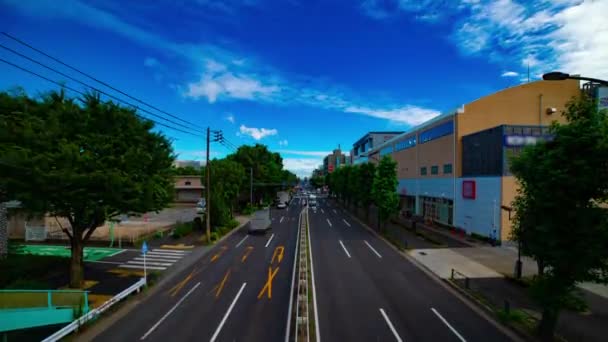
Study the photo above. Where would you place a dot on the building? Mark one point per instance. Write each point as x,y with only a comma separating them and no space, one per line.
367,142
333,161
188,189
187,163
454,168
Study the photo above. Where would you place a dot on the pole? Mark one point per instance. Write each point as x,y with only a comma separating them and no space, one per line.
208,191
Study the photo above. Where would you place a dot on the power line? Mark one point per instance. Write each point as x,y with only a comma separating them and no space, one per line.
92,87
98,80
82,93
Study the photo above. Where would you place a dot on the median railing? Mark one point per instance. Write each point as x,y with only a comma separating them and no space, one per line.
302,310
93,314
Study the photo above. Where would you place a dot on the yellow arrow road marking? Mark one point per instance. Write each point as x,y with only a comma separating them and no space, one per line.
219,254
247,252
278,253
268,285
175,289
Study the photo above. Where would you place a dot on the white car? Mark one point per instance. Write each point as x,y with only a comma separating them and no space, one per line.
201,206
281,205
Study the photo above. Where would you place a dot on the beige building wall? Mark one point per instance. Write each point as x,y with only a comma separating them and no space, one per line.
509,191
525,104
406,163
436,153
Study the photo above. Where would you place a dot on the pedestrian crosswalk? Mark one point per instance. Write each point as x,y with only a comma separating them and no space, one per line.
156,259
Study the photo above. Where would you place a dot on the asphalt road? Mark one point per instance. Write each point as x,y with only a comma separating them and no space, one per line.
366,291
237,292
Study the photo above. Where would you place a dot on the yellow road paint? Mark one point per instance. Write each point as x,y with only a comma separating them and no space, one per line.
219,287
124,272
175,289
219,254
268,285
247,252
178,246
278,253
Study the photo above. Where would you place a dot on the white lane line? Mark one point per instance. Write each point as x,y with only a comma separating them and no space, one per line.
390,325
323,211
281,220
241,242
170,311
293,282
141,267
121,251
344,248
219,328
151,263
328,222
348,224
268,243
314,287
448,325
154,259
335,212
372,248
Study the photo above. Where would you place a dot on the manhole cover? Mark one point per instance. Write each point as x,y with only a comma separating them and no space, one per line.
422,253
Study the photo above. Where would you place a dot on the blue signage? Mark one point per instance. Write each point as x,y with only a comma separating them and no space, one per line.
144,248
525,140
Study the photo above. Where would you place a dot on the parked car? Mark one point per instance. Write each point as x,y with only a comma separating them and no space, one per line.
281,205
201,206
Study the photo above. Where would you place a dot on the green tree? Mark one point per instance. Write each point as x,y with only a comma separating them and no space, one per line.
186,171
367,174
561,215
353,185
226,181
86,162
384,188
267,170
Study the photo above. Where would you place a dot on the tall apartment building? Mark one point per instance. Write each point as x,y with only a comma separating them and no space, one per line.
334,160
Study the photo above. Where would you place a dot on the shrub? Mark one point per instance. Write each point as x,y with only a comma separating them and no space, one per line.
182,229
233,224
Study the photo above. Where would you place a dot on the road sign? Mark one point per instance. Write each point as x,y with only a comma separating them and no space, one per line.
144,248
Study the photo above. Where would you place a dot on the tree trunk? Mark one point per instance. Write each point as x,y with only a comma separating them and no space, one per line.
541,266
76,263
547,324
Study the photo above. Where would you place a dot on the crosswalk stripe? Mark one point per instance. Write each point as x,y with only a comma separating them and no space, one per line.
155,259
153,263
166,253
154,255
170,251
142,267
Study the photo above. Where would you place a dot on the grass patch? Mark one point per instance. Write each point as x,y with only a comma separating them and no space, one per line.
514,315
182,229
30,272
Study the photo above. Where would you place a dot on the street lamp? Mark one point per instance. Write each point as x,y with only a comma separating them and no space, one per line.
560,76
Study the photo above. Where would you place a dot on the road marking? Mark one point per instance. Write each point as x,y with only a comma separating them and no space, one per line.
345,251
170,251
268,285
390,325
278,253
164,256
151,263
372,248
448,325
328,222
348,224
170,311
281,220
218,254
293,281
219,328
121,251
240,242
175,289
142,267
323,211
335,212
219,287
247,252
268,243
155,259
314,287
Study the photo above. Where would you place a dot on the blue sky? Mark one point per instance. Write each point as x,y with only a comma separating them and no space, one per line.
305,76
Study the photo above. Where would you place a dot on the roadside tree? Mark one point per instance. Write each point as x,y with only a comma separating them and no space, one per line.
86,162
384,189
560,210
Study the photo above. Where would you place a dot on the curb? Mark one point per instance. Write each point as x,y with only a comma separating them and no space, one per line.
506,330
105,322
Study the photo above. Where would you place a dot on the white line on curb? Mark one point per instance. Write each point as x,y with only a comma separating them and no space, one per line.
241,242
390,325
372,248
293,281
268,243
219,328
448,325
345,251
170,311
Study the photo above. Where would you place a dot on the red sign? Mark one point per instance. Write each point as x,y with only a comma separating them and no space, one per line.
468,189
331,168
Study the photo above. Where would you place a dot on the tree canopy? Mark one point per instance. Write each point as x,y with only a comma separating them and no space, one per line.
83,159
384,188
561,215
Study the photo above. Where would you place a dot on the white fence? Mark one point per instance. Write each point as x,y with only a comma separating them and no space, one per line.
68,329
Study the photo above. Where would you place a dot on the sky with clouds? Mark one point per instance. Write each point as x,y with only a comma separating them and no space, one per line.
305,76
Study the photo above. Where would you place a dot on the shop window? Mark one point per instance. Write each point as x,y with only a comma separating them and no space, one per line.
434,169
423,170
447,169
437,132
536,131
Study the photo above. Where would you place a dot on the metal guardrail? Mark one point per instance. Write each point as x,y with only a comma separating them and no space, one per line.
302,332
91,315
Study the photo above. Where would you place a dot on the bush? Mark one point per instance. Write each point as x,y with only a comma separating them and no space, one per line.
182,229
233,224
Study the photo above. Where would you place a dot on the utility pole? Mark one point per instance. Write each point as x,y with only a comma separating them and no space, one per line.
208,191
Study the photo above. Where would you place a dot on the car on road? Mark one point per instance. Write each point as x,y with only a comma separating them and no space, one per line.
281,205
260,222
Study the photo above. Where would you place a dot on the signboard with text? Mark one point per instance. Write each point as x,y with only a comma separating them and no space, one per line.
525,140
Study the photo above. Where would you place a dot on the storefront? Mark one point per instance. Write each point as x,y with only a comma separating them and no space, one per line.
440,210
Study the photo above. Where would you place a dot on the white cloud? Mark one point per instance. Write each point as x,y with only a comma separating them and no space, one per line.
410,115
302,167
509,74
283,142
230,118
257,133
305,153
151,62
